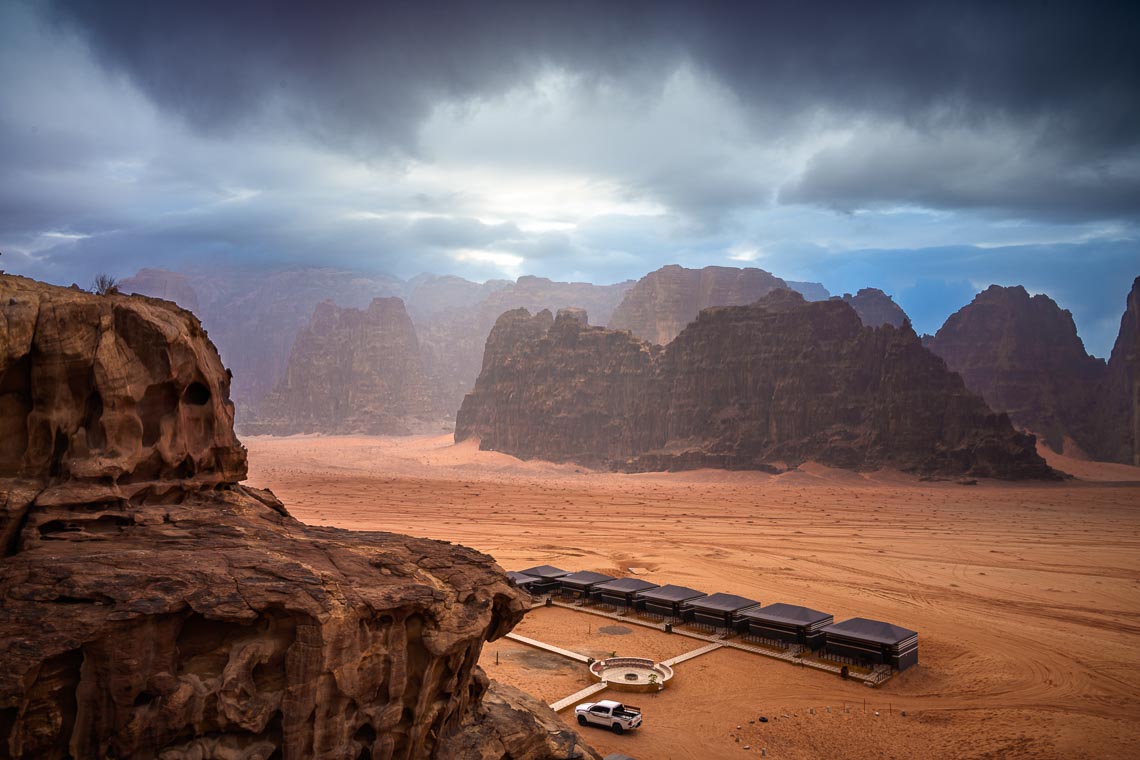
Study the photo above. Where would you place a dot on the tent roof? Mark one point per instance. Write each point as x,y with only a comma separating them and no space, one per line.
724,602
671,593
586,578
786,613
544,571
871,630
626,585
521,579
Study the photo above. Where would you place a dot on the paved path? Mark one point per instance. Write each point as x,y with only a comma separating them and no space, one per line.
548,647
578,696
692,654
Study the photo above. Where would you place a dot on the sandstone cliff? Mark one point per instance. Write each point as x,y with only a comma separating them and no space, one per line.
152,607
1023,356
875,308
811,291
254,316
352,371
452,340
751,387
1113,431
256,319
659,306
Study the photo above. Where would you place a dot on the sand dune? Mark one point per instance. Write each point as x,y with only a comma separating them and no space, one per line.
1026,596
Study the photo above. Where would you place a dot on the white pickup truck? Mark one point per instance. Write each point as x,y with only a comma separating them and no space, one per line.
608,713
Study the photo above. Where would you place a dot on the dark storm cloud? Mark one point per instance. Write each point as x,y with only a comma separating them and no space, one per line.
1059,80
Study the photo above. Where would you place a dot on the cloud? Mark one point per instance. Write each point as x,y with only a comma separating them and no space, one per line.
365,77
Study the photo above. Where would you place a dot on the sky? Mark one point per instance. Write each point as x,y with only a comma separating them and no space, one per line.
928,149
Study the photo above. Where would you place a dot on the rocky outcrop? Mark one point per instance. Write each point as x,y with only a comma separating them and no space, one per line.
1023,356
811,291
352,371
254,316
512,724
1113,431
751,387
875,308
152,607
452,341
659,306
256,319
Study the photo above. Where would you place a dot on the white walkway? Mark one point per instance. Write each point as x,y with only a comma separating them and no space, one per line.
562,704
548,647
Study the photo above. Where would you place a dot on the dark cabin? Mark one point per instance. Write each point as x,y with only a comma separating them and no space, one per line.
524,581
665,600
620,592
717,610
787,623
579,585
548,576
872,642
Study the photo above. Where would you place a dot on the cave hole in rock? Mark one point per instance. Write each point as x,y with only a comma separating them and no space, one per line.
204,645
101,525
158,402
365,736
196,394
58,452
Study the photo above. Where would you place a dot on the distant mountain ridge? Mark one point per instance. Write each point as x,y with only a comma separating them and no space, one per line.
777,382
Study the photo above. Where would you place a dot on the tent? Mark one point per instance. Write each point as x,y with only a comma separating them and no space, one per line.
665,600
620,592
717,609
548,576
788,623
872,642
581,583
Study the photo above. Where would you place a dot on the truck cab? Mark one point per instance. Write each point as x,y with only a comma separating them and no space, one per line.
610,714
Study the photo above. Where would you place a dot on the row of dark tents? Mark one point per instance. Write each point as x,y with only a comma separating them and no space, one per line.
864,641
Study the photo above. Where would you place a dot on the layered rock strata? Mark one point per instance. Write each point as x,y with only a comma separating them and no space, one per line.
352,371
754,387
1113,431
659,306
150,606
1023,356
875,308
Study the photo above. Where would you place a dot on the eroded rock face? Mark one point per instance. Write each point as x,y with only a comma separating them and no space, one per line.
110,391
751,387
875,308
352,371
1113,434
659,306
1023,356
452,340
254,316
150,606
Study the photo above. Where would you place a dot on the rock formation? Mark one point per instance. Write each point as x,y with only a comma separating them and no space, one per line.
352,371
254,316
811,291
750,387
1023,356
152,607
453,340
1113,432
659,306
875,308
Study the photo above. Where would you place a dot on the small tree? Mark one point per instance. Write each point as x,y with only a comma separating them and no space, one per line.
105,285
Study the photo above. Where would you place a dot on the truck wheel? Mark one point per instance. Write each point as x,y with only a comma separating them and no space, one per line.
618,729
582,720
